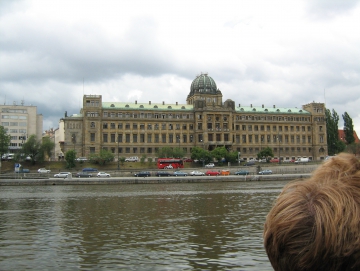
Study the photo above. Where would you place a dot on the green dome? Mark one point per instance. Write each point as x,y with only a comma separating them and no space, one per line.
204,84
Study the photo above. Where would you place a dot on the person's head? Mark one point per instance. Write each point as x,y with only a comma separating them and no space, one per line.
315,224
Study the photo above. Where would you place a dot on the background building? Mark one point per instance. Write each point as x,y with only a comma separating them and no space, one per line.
137,129
21,121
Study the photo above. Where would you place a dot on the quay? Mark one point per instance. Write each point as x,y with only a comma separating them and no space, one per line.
150,180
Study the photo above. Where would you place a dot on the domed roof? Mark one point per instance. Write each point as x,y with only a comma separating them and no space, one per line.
203,83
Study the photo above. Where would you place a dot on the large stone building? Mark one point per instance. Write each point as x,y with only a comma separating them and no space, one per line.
137,129
20,122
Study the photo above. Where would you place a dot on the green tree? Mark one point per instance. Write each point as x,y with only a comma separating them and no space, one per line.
102,158
32,148
266,152
332,131
232,156
202,155
70,157
47,147
4,141
348,129
219,153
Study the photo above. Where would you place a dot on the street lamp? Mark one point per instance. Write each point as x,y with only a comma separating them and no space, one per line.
118,159
279,148
203,159
239,158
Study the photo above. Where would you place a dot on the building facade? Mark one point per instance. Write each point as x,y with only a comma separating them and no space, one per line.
140,129
20,122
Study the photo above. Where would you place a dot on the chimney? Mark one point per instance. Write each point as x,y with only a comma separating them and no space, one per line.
149,102
274,106
135,101
176,103
262,106
163,102
251,105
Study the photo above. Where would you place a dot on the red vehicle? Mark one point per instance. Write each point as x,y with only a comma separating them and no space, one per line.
169,163
212,173
188,160
274,160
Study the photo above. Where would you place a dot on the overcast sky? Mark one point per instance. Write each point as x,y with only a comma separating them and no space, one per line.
284,53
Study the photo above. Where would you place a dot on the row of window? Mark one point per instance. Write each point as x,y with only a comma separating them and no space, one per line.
272,118
136,150
19,111
173,138
15,131
14,124
14,117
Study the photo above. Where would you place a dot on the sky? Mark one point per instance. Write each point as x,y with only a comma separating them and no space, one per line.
282,52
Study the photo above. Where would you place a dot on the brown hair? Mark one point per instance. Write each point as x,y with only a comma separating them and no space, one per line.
315,224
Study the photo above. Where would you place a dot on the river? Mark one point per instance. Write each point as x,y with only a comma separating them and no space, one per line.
185,226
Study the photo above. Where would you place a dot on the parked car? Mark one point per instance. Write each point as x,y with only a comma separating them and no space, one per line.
103,174
180,173
262,160
89,169
242,172
210,165
163,173
274,160
81,159
83,175
212,173
265,172
288,161
225,172
301,160
188,160
62,174
197,173
44,170
132,159
142,174
249,163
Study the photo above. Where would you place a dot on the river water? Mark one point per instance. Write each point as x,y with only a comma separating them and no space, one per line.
196,226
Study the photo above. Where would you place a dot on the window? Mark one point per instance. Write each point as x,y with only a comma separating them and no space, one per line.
127,126
163,138
112,138
135,126
135,138
156,140
92,124
149,137
127,138
171,140
226,137
112,125
92,137
120,138
92,149
149,127
105,138
199,126
142,138
120,125
244,138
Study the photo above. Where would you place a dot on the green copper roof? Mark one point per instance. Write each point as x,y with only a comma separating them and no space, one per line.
203,83
146,106
271,110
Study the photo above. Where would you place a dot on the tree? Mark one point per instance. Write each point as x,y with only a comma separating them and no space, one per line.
47,146
4,141
332,131
31,148
200,154
219,153
232,156
102,158
348,129
168,152
266,152
70,157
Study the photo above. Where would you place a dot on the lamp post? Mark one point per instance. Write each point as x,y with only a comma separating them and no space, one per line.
203,159
118,158
239,158
279,148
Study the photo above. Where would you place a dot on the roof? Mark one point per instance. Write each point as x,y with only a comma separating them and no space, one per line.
341,134
146,106
272,110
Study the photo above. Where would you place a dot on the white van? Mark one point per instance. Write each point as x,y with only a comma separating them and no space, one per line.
302,160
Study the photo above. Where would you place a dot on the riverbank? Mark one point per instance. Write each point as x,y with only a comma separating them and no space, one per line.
151,180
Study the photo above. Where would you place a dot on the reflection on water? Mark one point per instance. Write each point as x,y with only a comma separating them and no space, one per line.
204,226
